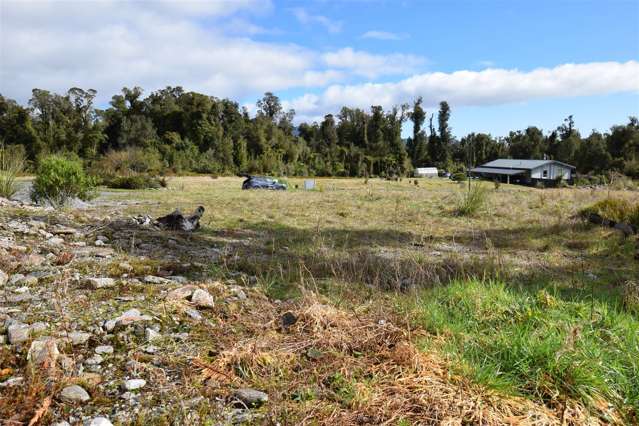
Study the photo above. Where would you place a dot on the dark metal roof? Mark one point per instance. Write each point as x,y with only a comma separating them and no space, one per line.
497,171
522,164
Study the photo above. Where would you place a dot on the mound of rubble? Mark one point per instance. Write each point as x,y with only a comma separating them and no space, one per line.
114,320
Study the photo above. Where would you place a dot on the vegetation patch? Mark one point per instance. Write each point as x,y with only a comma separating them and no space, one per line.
615,209
61,179
536,344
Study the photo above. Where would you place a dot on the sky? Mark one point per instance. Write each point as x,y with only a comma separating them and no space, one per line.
501,65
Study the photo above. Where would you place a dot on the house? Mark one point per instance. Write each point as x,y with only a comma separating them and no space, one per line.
426,172
525,171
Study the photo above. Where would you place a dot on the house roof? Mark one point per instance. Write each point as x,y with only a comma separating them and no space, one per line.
522,164
497,171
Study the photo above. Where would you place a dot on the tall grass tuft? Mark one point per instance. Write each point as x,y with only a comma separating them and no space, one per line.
473,200
12,163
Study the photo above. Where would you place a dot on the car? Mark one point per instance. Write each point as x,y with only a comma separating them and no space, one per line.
262,182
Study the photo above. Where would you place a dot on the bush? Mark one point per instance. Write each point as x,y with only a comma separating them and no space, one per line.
135,182
472,200
12,163
459,177
616,209
128,162
60,179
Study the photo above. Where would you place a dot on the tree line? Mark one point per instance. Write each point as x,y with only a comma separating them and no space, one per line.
193,132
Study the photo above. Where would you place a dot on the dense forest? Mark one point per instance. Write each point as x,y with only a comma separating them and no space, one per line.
187,132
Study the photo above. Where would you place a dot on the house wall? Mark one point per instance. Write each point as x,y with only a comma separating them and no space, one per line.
553,171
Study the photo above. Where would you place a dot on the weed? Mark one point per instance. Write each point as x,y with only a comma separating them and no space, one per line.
473,200
12,163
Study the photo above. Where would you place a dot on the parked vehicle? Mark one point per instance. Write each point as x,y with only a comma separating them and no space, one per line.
262,182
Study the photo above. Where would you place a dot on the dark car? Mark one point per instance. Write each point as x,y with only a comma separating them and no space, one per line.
262,182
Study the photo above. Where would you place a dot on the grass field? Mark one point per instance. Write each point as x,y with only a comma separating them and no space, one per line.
522,298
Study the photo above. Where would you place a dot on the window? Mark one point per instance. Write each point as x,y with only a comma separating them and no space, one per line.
545,173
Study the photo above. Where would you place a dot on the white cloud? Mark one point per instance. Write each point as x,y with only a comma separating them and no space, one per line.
369,65
305,17
384,35
487,87
107,45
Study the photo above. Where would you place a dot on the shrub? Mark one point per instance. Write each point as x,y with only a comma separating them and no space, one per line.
60,179
128,162
12,163
616,209
135,182
459,177
472,200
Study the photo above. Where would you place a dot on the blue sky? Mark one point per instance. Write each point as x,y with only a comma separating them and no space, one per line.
502,65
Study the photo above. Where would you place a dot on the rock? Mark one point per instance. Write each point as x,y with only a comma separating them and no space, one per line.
101,350
134,384
98,421
288,319
55,241
125,266
18,333
29,280
102,238
62,230
99,243
43,352
15,279
181,293
238,292
193,313
78,337
202,298
94,360
250,397
152,279
74,394
62,423
13,381
129,317
97,283
3,278
151,334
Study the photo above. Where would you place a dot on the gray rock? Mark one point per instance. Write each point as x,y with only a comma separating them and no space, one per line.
238,292
202,299
134,384
152,279
251,397
62,423
96,283
193,313
43,352
94,360
3,278
129,317
98,421
151,334
18,333
104,349
74,393
181,293
78,337
15,279
55,241
13,381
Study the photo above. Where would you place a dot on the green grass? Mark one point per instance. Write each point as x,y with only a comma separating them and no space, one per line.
535,344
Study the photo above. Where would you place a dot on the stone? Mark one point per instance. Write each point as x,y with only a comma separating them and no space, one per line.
96,283
3,278
251,397
55,241
102,238
78,337
94,360
134,384
181,293
99,421
12,381
238,292
129,317
62,423
125,266
43,352
105,349
15,279
193,313
74,393
99,243
151,335
18,333
202,299
288,319
152,279
29,280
